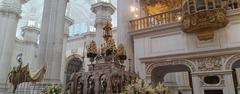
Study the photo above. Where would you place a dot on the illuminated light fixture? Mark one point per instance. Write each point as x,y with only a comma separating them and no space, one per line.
136,16
133,9
179,18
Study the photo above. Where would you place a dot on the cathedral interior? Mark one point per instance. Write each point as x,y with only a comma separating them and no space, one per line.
119,47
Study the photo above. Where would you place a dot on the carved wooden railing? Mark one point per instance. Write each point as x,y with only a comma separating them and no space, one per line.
156,20
173,16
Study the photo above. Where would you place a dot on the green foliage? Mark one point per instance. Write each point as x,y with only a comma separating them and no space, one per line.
52,89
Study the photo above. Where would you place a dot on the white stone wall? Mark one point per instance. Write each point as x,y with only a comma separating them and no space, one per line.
170,40
173,41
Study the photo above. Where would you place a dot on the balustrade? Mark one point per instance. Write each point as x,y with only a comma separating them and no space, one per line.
156,20
176,15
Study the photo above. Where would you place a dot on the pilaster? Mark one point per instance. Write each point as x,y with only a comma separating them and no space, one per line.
123,18
197,89
67,24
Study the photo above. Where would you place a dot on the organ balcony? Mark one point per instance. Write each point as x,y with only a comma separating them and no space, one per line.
201,17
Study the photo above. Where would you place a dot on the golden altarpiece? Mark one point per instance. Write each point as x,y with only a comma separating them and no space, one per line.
106,73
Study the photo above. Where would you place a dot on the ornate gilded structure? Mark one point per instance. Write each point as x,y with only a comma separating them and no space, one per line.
205,19
153,7
107,75
21,74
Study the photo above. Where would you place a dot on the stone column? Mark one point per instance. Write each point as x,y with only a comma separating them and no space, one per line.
238,79
51,38
10,11
123,18
103,13
67,24
228,82
197,89
183,82
30,50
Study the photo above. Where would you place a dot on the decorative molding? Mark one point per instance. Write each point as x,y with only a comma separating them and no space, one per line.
203,23
153,65
192,55
209,63
30,29
230,61
11,7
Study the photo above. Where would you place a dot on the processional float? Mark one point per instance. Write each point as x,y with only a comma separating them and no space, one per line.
106,73
21,74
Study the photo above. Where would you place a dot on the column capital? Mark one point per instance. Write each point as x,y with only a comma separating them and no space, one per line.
31,29
103,6
68,22
30,34
12,7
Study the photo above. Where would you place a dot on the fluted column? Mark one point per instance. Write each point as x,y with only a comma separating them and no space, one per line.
10,11
123,17
103,11
51,38
30,50
67,24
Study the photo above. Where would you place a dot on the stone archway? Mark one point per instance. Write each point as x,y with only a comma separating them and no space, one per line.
233,64
74,63
151,66
230,61
156,72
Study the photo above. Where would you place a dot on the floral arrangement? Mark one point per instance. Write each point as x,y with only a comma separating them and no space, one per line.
92,50
140,87
52,89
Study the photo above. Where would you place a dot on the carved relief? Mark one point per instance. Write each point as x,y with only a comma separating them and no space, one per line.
203,23
209,63
91,85
103,84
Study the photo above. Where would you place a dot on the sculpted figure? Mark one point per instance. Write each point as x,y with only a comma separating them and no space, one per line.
91,86
80,86
103,86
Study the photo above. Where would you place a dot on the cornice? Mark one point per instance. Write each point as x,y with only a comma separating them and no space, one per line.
69,20
189,55
31,29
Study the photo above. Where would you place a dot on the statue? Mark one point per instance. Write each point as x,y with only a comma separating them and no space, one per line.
91,86
21,74
68,89
80,86
103,85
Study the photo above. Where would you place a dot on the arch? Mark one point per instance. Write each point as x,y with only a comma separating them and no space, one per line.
73,63
230,61
159,72
69,58
188,63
